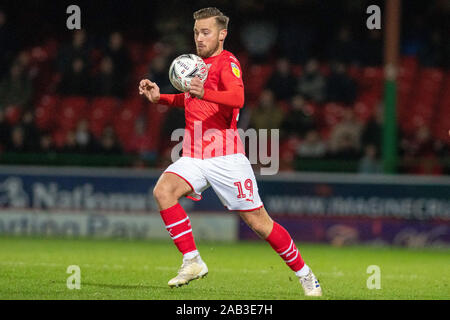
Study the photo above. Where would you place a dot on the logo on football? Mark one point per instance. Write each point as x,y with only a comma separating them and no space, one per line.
184,68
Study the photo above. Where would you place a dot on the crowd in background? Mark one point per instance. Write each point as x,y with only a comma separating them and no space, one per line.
104,66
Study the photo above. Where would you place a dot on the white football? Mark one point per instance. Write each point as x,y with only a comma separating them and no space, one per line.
186,67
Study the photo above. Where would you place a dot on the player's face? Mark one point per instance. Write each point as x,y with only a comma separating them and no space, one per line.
207,37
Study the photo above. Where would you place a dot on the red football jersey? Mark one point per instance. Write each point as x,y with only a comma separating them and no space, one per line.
211,122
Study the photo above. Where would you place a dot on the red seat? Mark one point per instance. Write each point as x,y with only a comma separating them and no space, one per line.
255,80
363,111
135,105
13,114
45,111
59,138
124,123
102,111
72,109
332,114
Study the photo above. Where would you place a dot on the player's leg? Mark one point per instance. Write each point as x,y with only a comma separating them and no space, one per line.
281,241
167,191
234,182
179,180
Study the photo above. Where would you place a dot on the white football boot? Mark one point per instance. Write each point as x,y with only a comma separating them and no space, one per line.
191,269
310,285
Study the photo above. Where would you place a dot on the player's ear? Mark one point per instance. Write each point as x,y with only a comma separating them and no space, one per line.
222,34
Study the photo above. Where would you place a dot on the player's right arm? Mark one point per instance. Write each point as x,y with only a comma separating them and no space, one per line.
151,91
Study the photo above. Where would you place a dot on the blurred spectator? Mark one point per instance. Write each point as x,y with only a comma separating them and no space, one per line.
282,82
46,144
258,38
294,31
340,87
77,49
174,30
31,132
107,82
70,144
109,143
267,115
158,74
420,153
7,42
372,131
343,47
344,148
17,140
372,52
15,89
312,83
75,81
433,52
428,165
119,55
312,146
421,143
297,121
86,142
23,60
370,163
5,130
345,137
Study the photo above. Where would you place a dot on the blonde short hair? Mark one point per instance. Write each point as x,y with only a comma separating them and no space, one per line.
221,19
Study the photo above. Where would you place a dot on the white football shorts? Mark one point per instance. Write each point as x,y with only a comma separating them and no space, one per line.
230,176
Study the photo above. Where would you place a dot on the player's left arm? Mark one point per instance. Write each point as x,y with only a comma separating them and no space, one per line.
233,93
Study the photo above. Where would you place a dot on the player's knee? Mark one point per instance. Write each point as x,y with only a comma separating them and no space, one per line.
163,193
260,223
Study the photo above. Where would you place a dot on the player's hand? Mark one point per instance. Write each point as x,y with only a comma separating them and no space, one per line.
196,89
150,90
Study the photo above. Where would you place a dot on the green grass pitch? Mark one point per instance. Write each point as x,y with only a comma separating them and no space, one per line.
122,269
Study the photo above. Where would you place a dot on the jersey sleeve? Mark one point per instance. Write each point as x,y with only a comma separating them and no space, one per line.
231,72
175,100
232,94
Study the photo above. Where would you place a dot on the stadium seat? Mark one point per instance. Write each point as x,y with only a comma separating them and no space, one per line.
124,123
135,105
102,111
59,137
13,114
44,113
332,114
255,80
71,109
363,111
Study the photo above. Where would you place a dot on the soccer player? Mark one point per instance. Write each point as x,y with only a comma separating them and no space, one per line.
215,105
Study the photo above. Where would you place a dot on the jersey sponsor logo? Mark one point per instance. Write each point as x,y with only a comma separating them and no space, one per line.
235,70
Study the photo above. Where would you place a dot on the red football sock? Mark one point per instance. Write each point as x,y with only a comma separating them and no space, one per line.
282,243
179,227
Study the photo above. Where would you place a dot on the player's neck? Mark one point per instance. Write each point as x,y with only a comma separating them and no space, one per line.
216,53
